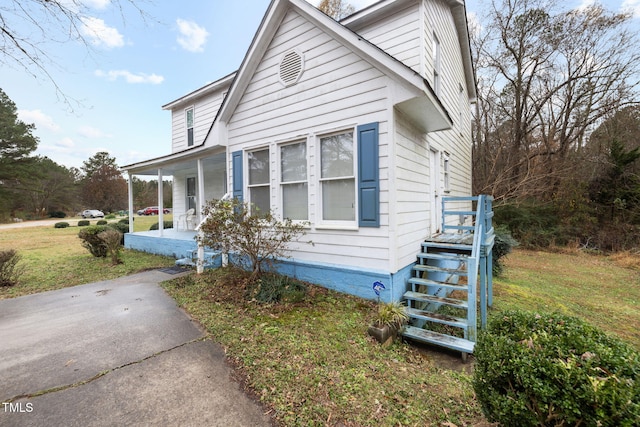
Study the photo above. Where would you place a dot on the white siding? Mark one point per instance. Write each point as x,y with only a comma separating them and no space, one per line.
337,91
398,34
205,109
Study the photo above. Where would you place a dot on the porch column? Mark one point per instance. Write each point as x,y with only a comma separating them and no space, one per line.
200,187
160,203
130,193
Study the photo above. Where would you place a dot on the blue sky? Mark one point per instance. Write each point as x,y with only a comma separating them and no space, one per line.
134,67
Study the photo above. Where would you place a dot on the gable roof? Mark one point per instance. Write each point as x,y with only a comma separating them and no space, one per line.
424,108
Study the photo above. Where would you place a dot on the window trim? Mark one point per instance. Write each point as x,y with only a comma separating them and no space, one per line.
186,192
338,224
282,183
437,64
186,124
249,186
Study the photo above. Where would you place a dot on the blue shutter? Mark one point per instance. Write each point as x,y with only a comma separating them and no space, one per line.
368,176
236,164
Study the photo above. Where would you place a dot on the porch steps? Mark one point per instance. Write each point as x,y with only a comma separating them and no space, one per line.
449,262
191,259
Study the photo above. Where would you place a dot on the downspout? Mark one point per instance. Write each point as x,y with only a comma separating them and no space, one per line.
200,202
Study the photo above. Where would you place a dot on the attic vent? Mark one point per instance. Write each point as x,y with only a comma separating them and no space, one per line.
291,66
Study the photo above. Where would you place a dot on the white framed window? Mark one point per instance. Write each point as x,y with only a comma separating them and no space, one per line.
437,64
293,181
259,180
337,178
446,177
189,118
191,193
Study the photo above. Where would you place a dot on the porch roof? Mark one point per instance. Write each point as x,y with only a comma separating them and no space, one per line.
179,161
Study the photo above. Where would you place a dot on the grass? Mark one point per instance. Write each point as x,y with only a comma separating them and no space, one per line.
54,258
311,362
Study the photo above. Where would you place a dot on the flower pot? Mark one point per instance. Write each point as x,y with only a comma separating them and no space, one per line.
383,334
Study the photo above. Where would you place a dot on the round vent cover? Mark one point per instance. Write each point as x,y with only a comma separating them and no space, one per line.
291,66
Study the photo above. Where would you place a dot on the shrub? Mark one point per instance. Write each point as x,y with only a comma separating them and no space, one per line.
122,228
57,214
10,271
124,221
166,224
112,241
83,223
271,288
110,216
92,242
259,238
552,370
61,225
101,222
503,245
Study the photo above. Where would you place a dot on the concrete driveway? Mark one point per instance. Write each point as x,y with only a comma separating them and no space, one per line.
118,352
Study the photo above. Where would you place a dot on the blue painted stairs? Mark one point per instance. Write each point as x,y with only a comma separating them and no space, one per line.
452,269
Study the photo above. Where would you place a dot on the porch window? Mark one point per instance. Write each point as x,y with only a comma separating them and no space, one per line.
189,119
337,180
445,172
293,181
259,182
191,193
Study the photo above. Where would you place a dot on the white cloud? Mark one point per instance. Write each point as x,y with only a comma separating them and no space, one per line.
92,133
40,119
100,33
66,143
130,77
97,4
192,36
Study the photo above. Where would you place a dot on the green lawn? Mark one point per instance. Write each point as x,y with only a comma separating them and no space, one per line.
311,362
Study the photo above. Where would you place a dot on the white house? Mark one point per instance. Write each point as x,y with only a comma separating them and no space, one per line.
359,127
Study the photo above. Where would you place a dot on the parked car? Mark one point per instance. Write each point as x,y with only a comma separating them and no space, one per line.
92,213
153,210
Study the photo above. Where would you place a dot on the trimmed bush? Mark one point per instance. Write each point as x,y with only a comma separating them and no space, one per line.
101,222
112,239
83,223
110,216
57,214
92,242
122,228
166,224
124,221
10,271
61,225
552,370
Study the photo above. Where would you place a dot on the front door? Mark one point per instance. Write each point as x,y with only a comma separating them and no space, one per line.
191,193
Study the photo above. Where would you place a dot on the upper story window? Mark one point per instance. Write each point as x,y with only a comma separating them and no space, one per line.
259,180
437,64
337,178
293,181
189,120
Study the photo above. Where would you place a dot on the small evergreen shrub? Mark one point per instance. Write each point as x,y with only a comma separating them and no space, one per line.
83,223
111,238
553,370
502,246
61,225
272,288
10,271
110,216
101,222
166,224
122,228
57,214
124,221
92,242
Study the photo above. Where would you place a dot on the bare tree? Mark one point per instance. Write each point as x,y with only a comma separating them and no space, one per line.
547,77
29,27
337,9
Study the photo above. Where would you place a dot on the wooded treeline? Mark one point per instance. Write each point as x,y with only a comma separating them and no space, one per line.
556,137
36,187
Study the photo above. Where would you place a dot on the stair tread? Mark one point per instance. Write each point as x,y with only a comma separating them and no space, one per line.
435,269
453,302
445,257
446,245
437,317
454,343
427,282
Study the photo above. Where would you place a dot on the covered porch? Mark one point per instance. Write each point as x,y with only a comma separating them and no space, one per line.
198,174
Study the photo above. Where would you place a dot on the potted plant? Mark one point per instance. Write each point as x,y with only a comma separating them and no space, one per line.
390,318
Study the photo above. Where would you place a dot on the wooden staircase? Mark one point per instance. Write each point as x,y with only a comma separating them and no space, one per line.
452,270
